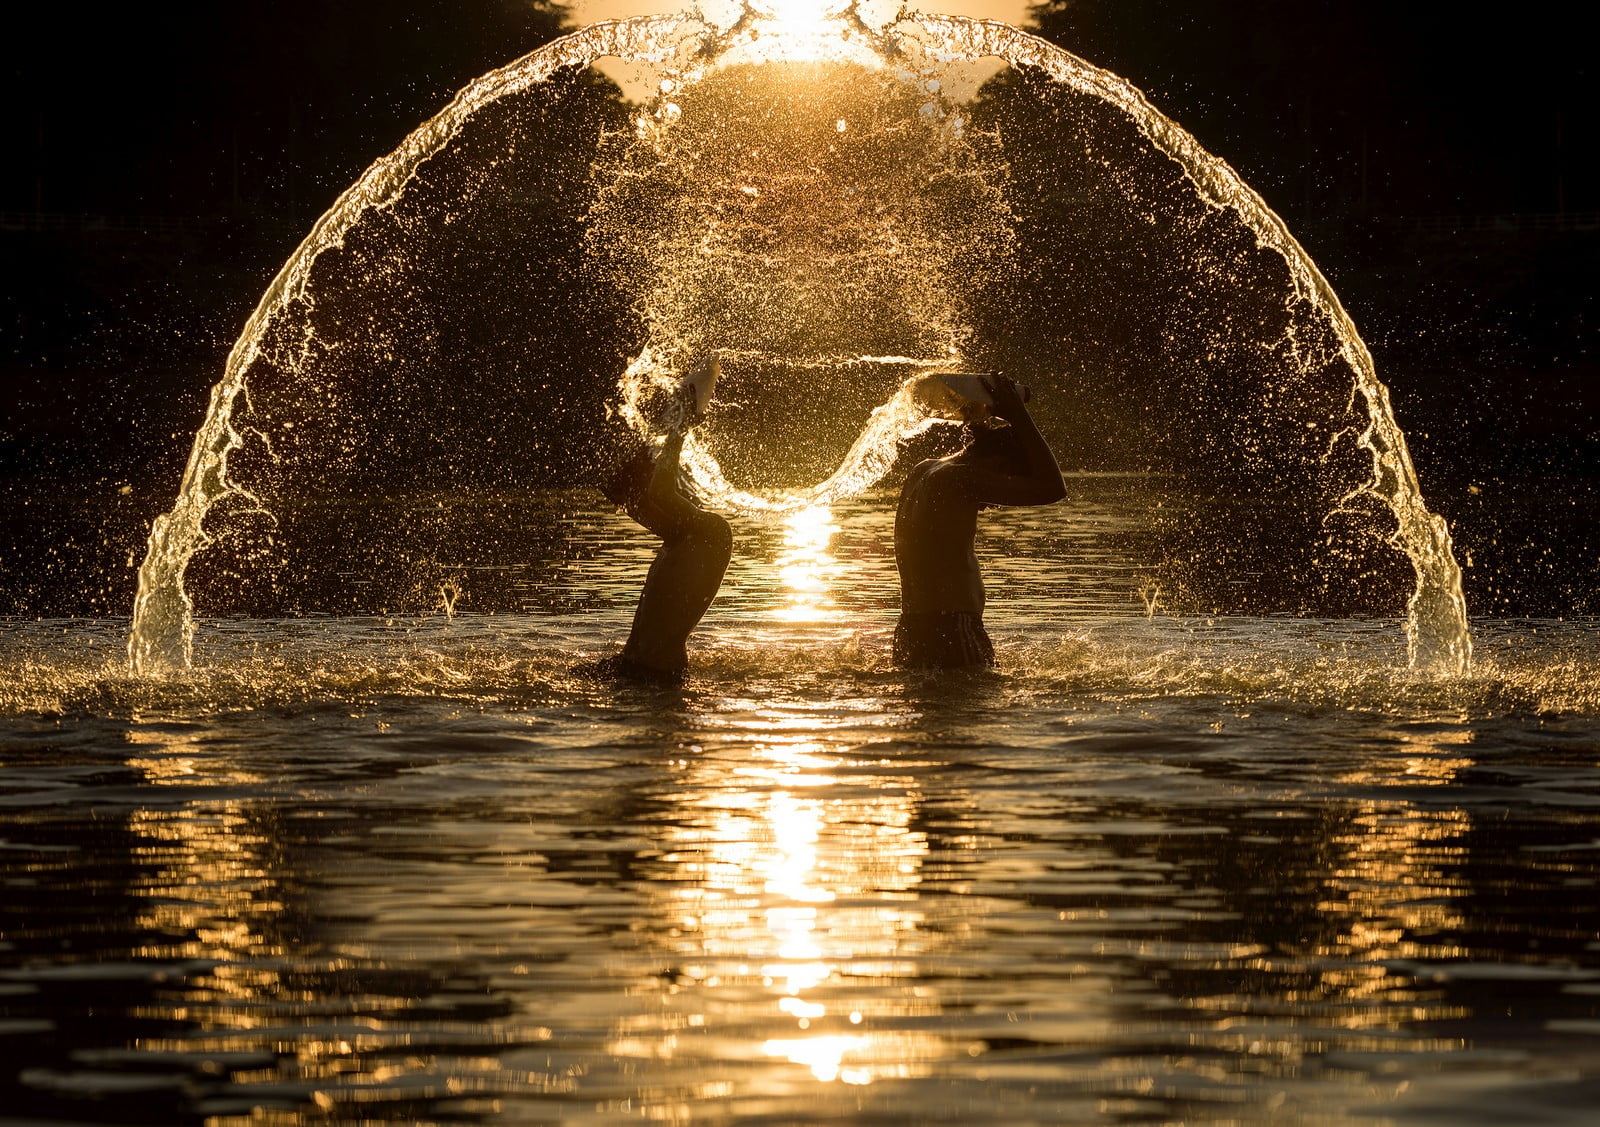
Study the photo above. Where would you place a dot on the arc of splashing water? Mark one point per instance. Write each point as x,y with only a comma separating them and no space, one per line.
162,629
1437,635
162,632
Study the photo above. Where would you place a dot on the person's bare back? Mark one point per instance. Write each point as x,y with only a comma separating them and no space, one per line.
934,528
941,585
696,546
686,574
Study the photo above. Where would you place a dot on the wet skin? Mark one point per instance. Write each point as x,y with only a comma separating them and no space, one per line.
937,517
688,568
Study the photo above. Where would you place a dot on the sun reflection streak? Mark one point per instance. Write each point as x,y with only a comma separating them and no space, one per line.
208,886
823,1055
1397,886
807,568
794,908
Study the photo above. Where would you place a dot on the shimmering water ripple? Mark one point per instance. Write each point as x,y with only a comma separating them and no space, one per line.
407,868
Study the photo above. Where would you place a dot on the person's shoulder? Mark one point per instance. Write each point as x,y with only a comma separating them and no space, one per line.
921,474
938,480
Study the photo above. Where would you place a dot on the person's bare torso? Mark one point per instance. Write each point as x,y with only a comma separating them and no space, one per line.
934,529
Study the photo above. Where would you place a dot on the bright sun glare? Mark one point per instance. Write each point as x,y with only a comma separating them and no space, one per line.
798,13
802,26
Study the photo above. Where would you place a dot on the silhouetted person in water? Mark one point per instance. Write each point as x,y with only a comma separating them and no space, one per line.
941,589
688,568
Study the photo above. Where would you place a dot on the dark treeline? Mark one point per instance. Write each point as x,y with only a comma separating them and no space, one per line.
1442,172
164,163
1441,168
218,133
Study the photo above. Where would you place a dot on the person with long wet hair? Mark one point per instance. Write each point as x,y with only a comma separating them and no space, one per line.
1004,461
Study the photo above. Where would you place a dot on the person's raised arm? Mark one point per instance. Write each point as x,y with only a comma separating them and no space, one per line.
1039,482
663,509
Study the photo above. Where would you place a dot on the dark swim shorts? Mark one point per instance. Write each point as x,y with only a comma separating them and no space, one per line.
952,640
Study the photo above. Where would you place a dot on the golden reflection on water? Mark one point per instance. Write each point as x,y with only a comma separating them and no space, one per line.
1395,880
807,569
208,878
796,911
812,940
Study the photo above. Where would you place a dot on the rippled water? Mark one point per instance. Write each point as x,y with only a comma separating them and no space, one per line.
406,868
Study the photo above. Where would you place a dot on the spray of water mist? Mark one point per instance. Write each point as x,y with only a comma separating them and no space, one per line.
699,298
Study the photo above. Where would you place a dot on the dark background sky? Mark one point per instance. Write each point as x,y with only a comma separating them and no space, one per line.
190,109
203,109
1412,109
1440,168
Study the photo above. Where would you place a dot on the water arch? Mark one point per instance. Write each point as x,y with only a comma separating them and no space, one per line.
307,318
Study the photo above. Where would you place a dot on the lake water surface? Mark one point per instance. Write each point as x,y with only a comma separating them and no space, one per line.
1158,868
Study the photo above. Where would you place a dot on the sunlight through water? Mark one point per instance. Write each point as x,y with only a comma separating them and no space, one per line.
800,26
804,193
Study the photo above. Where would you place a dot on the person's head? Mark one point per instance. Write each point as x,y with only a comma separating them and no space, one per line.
993,441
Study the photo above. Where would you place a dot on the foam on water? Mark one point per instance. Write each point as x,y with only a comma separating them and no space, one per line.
507,662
